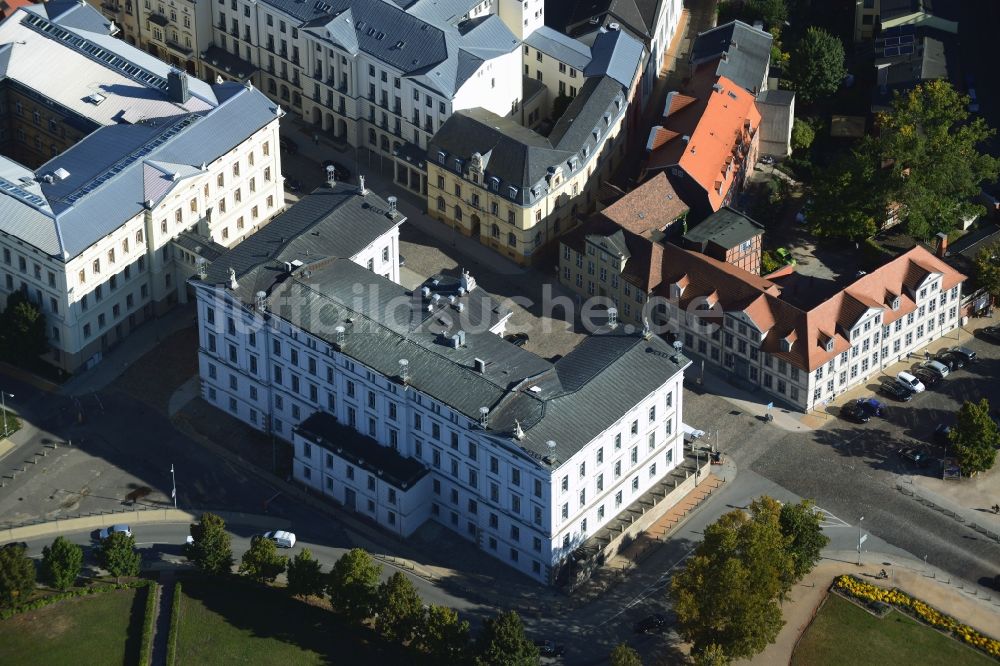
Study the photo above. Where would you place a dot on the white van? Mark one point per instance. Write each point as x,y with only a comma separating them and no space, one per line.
281,538
938,368
910,382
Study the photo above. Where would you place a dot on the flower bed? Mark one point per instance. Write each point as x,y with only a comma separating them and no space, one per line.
855,588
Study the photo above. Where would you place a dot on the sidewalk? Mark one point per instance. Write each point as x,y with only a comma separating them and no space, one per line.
908,576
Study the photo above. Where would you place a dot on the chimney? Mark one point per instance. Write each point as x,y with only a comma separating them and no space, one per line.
484,417
361,189
480,366
331,176
404,370
942,245
177,86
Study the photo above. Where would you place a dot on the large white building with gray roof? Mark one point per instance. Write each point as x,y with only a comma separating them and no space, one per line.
408,406
109,156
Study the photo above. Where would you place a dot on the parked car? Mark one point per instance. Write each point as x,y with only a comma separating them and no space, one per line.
281,538
953,361
964,353
654,622
874,407
941,433
895,390
108,531
16,544
914,455
340,172
991,333
547,648
785,256
910,382
936,367
855,411
288,145
928,377
517,339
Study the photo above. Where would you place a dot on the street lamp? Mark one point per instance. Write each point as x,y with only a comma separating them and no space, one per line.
860,539
3,405
173,478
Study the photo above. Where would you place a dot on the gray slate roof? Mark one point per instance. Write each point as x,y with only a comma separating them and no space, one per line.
561,47
745,63
329,222
776,97
616,54
726,228
112,171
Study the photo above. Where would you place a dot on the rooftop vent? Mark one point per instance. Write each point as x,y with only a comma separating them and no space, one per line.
392,207
61,173
613,317
480,365
404,369
484,417
613,26
361,186
233,284
425,292
339,335
331,175
260,301
96,98
177,86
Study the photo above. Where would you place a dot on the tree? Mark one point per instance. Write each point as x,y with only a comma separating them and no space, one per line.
712,655
211,548
305,575
800,524
119,556
262,562
975,438
23,329
353,583
17,575
817,65
987,264
771,12
61,563
442,635
728,592
849,197
624,655
399,608
502,643
803,134
931,149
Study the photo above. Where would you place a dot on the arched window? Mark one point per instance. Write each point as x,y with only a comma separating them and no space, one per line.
441,205
458,213
495,231
512,239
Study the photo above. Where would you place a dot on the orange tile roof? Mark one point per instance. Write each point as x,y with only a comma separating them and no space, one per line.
675,102
652,206
659,137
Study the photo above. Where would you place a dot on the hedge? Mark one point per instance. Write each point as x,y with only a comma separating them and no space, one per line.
145,654
62,596
175,617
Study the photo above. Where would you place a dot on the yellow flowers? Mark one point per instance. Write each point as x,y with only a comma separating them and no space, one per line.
859,589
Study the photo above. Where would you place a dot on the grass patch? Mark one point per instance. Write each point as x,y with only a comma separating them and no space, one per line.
843,634
12,421
100,629
229,621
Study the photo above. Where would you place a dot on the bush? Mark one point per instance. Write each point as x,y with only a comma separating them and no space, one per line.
146,651
803,134
63,596
873,255
175,620
61,564
769,262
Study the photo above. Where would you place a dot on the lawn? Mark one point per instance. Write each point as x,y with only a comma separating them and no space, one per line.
100,629
844,634
230,622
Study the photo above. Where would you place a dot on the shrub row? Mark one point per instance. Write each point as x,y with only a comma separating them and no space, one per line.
856,588
175,616
62,596
145,654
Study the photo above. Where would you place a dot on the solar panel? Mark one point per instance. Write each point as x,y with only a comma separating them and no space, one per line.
906,49
894,51
15,191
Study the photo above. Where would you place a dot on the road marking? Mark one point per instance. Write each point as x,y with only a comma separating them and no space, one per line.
646,592
830,520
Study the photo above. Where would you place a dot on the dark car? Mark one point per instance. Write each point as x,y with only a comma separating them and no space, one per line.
941,433
288,145
991,333
914,455
953,361
549,649
964,353
517,339
654,622
874,407
927,376
896,391
855,411
340,172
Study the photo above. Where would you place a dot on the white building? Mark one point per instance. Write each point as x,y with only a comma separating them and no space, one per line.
117,156
405,406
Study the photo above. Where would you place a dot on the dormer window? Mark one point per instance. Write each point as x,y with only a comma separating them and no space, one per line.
494,183
829,345
676,290
512,192
458,165
786,345
895,303
441,157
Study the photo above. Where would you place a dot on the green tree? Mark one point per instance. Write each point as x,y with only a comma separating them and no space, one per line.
975,438
23,329
211,548
803,134
849,198
305,575
771,12
118,555
712,655
61,563
502,643
817,65
800,524
728,592
625,655
987,264
931,147
353,584
262,562
17,575
399,608
443,636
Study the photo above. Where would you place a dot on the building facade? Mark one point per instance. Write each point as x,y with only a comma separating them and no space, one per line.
119,156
